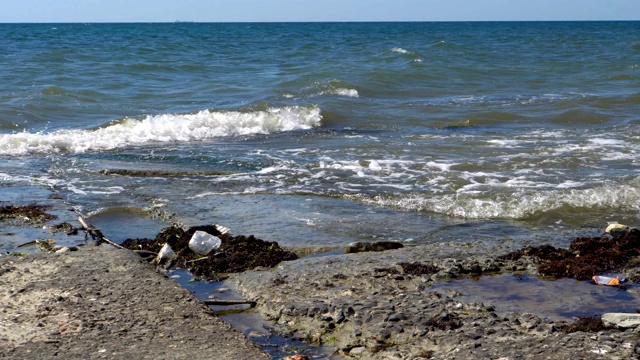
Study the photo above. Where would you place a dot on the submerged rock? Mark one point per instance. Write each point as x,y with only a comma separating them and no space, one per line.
356,247
619,229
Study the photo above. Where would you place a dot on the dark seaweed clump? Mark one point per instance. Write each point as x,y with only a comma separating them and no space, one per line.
31,213
586,256
585,324
236,254
418,268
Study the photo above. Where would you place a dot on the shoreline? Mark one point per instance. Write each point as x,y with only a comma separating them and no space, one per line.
362,306
406,303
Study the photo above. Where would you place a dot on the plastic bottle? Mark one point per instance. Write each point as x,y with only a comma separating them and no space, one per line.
202,242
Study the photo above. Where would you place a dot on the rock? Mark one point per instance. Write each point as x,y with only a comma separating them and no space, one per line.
356,351
618,229
621,320
356,247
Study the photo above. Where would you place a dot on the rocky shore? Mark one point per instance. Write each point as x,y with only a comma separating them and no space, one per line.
372,301
378,305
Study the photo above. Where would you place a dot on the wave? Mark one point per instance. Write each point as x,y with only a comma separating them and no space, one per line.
521,99
400,50
163,128
521,205
324,88
406,52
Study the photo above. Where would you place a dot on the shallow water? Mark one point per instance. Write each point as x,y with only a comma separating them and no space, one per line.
561,299
245,320
330,131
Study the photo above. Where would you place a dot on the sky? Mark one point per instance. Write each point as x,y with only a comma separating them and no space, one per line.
314,10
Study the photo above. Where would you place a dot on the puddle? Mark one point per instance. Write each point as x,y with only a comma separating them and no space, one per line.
560,299
244,319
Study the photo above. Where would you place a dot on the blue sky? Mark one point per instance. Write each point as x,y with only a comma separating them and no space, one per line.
314,10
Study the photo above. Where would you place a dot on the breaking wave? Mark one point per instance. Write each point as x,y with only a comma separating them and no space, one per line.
515,206
162,128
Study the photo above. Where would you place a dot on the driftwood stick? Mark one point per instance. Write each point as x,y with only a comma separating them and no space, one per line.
230,302
95,233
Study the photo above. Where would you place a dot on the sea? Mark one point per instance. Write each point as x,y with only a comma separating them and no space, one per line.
321,134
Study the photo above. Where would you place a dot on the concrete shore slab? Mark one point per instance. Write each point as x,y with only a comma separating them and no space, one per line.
101,302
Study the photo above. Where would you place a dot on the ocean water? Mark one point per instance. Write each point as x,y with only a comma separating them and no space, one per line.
327,133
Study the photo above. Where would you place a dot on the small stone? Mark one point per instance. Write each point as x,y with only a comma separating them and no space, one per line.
474,336
397,317
356,351
326,318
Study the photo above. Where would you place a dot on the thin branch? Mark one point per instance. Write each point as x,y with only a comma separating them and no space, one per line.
230,302
95,233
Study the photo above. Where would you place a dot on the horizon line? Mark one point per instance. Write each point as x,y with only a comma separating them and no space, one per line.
310,21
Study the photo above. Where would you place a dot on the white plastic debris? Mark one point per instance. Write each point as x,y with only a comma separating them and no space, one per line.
223,230
202,242
166,253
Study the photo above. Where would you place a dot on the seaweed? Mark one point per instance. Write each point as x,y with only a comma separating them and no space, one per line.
236,254
586,256
418,269
585,324
30,213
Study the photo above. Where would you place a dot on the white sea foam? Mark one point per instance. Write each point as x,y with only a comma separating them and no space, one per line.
340,92
163,128
439,166
503,142
400,50
607,142
515,205
347,92
375,166
329,88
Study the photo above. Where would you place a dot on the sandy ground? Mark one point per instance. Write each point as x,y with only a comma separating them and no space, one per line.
101,302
